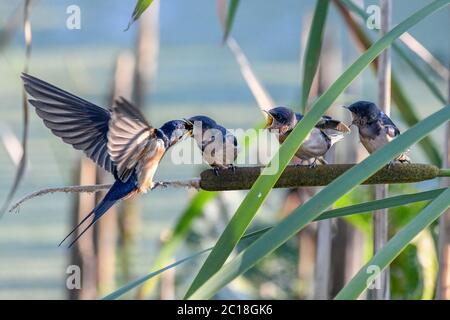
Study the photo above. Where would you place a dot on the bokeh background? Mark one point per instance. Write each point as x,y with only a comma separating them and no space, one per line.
194,74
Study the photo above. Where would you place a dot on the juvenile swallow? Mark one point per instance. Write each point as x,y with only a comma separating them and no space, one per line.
218,145
375,127
119,140
321,138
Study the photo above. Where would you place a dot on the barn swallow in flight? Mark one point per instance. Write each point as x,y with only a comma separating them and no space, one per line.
321,138
218,145
119,140
375,127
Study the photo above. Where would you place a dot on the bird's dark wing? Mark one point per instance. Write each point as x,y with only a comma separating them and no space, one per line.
130,138
298,116
389,127
327,122
76,121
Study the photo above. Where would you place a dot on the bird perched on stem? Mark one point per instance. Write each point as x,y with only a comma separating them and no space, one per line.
218,145
375,128
321,138
119,140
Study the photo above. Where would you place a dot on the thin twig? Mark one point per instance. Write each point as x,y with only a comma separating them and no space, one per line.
261,95
380,217
192,183
11,143
22,164
424,54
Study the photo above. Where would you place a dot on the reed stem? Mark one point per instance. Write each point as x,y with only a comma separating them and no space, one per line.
444,173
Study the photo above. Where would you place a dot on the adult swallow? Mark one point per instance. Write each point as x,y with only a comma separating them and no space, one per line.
375,127
321,138
119,140
218,145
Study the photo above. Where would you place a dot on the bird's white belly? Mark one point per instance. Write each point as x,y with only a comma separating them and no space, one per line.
147,168
373,145
220,154
315,145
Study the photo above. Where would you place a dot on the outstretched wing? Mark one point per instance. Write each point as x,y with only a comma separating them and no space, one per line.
130,138
76,121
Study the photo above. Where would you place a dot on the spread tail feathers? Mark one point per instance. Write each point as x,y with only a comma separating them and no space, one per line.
118,191
98,212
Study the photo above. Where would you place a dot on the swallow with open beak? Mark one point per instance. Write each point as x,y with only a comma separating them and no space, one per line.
218,145
119,140
321,138
375,128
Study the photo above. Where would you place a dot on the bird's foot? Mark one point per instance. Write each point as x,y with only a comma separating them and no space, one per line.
160,184
301,163
216,171
232,167
399,160
404,160
313,164
391,164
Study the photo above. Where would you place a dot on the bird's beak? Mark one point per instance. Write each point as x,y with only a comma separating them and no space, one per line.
269,119
345,107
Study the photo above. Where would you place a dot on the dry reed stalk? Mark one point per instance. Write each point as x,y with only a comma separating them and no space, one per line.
380,217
